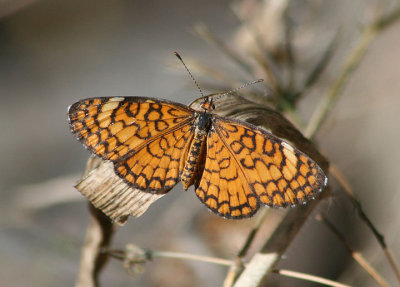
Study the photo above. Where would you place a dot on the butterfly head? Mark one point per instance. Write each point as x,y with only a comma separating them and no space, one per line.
208,105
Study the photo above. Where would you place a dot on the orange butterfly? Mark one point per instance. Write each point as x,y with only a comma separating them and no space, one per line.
234,166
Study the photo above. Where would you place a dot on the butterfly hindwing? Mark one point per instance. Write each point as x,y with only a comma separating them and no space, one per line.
156,167
223,187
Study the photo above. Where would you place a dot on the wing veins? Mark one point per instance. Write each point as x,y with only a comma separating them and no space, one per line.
152,139
233,156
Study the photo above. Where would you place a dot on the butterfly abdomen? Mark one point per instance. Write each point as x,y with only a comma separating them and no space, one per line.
195,155
193,160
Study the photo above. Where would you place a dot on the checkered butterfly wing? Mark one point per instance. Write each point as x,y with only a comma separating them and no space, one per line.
246,166
145,138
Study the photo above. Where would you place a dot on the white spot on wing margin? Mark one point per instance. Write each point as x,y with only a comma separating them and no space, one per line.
112,103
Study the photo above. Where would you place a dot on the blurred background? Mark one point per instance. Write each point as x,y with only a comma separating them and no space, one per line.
53,53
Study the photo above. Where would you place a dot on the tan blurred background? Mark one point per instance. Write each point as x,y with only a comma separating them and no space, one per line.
53,53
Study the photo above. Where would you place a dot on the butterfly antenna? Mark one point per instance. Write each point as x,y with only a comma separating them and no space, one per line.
239,88
194,80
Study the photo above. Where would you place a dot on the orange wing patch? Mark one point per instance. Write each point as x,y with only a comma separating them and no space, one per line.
156,166
277,173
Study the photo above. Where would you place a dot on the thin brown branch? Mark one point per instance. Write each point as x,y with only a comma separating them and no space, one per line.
351,64
350,193
289,48
188,256
264,261
262,57
253,232
140,255
260,265
319,67
238,267
234,270
380,238
265,63
358,257
214,74
98,236
206,34
308,277
392,261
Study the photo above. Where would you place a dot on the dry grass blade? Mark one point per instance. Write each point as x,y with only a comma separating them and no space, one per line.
289,48
136,255
266,21
253,232
311,278
353,60
238,267
98,236
265,63
356,255
262,55
319,67
188,256
380,238
206,34
255,271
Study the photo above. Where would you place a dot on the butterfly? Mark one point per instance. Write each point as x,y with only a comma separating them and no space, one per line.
235,166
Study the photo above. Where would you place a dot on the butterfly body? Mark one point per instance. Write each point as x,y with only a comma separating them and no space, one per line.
195,159
234,166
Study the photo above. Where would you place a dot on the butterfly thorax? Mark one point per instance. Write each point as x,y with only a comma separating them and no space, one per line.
195,155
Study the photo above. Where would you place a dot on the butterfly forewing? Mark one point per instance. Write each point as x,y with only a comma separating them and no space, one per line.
113,127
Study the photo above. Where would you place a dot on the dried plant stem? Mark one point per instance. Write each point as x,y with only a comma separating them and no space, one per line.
392,261
204,33
237,268
150,254
269,255
335,91
98,236
233,272
264,61
380,238
308,277
260,265
262,56
318,69
350,193
356,255
253,232
289,48
188,256
212,73
356,55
